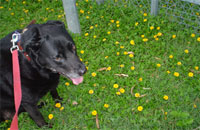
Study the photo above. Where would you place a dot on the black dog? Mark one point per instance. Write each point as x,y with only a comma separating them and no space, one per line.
48,52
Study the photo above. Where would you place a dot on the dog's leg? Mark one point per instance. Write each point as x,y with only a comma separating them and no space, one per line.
35,114
56,97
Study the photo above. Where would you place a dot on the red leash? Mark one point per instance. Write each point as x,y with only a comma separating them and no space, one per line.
16,81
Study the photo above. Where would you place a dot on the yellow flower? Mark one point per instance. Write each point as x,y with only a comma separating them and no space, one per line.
61,108
116,42
117,22
152,27
117,25
108,69
24,2
86,0
106,105
173,36
158,28
94,112
165,113
67,83
82,51
115,86
132,68
58,105
87,17
122,65
118,53
198,39
137,94
94,74
171,56
142,36
104,39
108,32
136,24
131,55
86,34
12,14
195,106
176,74
165,97
96,25
81,11
132,42
145,20
121,47
186,51
81,59
140,79
145,14
106,57
179,63
159,34
1,7
168,72
190,74
155,36
125,53
94,36
50,116
95,85
91,91
196,68
118,93
145,40
192,35
112,21
140,108
91,27
158,65
156,39
122,90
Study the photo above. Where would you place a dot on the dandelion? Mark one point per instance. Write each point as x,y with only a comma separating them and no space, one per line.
145,40
136,24
58,105
165,97
125,53
176,74
117,25
179,63
140,79
61,108
116,42
156,39
192,35
165,113
140,108
59,16
82,51
117,22
108,69
132,68
131,55
91,27
81,59
86,0
132,42
190,74
106,105
86,34
159,34
96,25
118,53
115,86
104,39
24,2
196,68
108,32
142,36
95,85
152,27
1,7
106,57
87,17
137,94
82,11
173,36
122,65
50,116
94,36
158,28
122,90
171,56
94,74
186,51
12,14
112,21
168,72
91,91
198,39
121,47
118,93
94,112
158,65
145,14
195,106
145,20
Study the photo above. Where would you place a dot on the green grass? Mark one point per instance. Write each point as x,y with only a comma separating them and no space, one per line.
183,91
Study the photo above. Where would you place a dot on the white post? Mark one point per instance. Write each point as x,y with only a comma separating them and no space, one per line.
154,7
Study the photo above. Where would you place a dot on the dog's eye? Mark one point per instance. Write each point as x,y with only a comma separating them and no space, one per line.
73,47
57,58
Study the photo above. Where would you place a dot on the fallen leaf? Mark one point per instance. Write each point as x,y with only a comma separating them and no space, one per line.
75,103
101,69
97,122
122,75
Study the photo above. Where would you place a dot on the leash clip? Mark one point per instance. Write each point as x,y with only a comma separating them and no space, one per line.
15,38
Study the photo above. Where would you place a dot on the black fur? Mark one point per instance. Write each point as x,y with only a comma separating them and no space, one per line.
52,52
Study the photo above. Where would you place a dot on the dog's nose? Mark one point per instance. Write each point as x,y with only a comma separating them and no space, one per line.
82,71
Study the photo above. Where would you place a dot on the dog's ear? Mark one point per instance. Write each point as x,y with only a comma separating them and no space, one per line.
31,39
56,22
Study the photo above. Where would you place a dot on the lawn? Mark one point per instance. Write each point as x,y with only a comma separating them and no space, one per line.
143,71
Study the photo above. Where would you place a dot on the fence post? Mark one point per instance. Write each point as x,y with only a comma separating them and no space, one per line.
154,7
71,15
100,2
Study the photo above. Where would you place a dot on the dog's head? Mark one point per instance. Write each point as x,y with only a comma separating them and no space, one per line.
51,47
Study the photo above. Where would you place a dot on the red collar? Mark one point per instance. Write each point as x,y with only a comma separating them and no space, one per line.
22,50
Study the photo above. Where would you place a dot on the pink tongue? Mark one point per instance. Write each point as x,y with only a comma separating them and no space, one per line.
77,81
